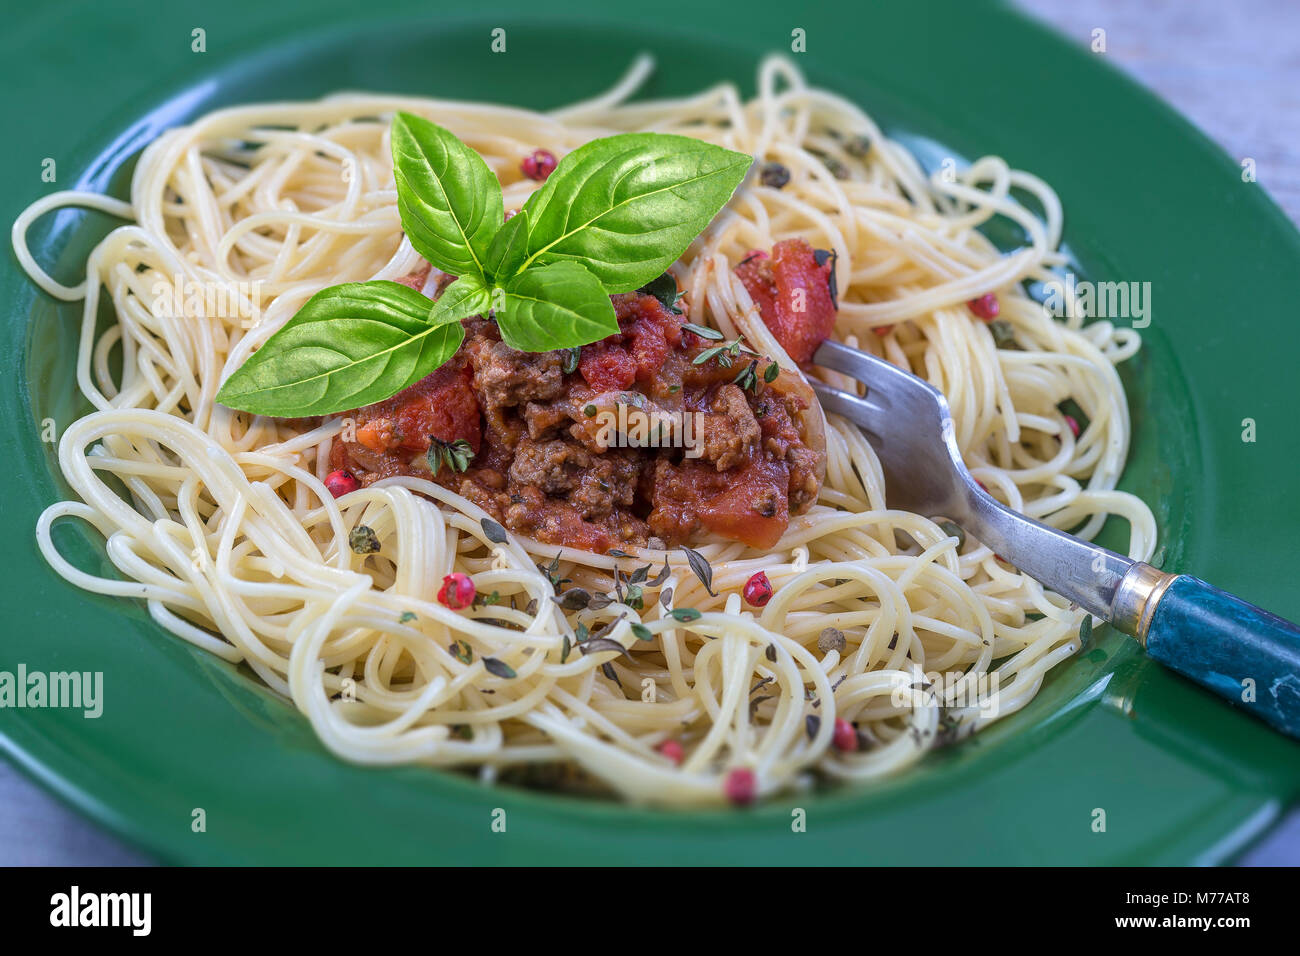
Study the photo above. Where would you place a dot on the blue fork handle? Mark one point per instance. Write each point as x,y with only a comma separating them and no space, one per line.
1244,654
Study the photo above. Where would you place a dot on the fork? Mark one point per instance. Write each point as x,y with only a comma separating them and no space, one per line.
1242,653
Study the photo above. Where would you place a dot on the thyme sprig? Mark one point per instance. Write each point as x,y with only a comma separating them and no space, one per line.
456,455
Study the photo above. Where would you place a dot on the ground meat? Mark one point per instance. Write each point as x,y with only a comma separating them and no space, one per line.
547,464
805,486
502,432
729,431
482,495
609,484
782,441
557,521
506,377
368,466
543,419
593,484
553,466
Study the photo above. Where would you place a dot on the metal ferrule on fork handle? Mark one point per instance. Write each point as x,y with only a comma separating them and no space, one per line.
1136,598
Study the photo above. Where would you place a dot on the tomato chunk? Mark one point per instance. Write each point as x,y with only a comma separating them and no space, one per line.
648,333
793,294
749,504
755,271
606,366
754,507
441,405
653,331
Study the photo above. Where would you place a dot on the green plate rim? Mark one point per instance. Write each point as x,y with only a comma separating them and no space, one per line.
1243,769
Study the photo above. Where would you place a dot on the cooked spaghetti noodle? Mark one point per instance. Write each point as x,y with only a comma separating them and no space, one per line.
226,531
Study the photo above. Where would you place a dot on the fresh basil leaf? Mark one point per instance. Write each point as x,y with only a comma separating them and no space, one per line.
509,248
449,201
555,307
352,345
627,206
463,298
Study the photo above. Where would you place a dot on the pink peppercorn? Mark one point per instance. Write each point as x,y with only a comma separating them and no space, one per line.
539,164
457,591
845,737
740,786
758,590
985,307
1073,425
672,749
341,483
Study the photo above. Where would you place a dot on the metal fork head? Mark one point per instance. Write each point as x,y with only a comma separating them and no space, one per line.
910,428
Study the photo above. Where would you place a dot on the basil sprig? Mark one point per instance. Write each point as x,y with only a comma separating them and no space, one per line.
351,345
613,216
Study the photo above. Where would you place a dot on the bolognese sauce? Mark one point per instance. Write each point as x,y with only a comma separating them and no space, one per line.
532,434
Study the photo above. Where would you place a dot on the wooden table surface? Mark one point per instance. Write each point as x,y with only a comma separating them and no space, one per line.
1232,67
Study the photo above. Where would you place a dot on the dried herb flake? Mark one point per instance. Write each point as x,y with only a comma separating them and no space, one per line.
574,599
831,639
499,668
703,570
598,644
954,530
363,540
774,175
703,332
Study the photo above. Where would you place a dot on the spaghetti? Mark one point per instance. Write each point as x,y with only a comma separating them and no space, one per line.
221,523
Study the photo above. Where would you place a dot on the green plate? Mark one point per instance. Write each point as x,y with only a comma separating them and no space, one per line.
1181,777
